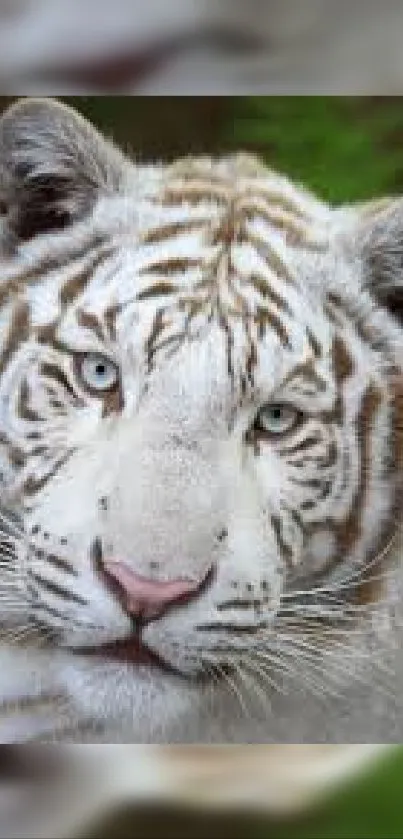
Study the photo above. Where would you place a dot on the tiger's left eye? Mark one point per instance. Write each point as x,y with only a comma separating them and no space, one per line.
98,373
276,419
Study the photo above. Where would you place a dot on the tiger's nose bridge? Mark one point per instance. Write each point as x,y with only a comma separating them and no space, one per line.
161,512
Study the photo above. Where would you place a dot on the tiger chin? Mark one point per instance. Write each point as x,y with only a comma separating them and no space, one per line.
200,448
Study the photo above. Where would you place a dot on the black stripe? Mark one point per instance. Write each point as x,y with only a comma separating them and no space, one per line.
238,603
234,629
63,564
18,333
32,486
58,590
40,607
49,264
52,371
306,443
285,550
262,285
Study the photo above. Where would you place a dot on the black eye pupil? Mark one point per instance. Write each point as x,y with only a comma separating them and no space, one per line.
277,413
100,369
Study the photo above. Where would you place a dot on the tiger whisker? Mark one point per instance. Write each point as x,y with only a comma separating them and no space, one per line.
251,685
232,686
265,672
359,576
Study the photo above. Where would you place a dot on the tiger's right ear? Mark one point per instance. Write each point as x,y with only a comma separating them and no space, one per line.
53,166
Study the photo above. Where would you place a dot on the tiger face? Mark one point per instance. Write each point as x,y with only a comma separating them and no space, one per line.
199,422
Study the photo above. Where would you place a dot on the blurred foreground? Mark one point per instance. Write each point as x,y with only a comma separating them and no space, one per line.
81,792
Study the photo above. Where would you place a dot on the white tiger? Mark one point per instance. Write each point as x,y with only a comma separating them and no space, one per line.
200,426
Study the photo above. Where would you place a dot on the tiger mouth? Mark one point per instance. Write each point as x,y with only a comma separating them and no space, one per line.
131,651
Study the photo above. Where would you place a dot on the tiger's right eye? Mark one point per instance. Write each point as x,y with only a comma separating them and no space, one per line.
98,373
275,419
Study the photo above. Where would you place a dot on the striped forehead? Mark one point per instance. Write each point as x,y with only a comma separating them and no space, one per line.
211,245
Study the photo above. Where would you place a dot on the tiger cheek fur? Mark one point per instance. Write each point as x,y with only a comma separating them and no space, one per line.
200,382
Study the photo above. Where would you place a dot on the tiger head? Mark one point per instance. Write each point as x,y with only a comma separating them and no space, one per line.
199,415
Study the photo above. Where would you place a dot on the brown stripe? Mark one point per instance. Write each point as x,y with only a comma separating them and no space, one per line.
350,530
296,234
230,346
52,371
285,550
193,194
159,324
262,286
113,401
110,318
343,364
91,322
75,284
270,257
314,344
171,231
48,265
195,169
24,409
264,317
371,589
18,333
306,371
365,331
173,265
275,199
158,289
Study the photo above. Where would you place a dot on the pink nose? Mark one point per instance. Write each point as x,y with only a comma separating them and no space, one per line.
144,598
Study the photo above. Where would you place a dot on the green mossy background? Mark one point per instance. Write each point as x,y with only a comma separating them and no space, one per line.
346,149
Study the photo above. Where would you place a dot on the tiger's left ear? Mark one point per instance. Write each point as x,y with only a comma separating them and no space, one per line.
53,165
379,233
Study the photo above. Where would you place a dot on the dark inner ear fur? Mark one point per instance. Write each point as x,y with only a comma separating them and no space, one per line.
382,249
53,165
41,209
393,301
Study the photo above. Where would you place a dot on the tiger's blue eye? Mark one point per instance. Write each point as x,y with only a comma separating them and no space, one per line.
276,419
98,373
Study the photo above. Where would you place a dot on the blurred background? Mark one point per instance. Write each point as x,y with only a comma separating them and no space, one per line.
201,46
346,149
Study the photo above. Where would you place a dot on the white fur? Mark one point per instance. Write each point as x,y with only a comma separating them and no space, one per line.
174,474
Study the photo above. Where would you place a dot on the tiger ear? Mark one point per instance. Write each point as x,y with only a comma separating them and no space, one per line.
380,237
53,165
